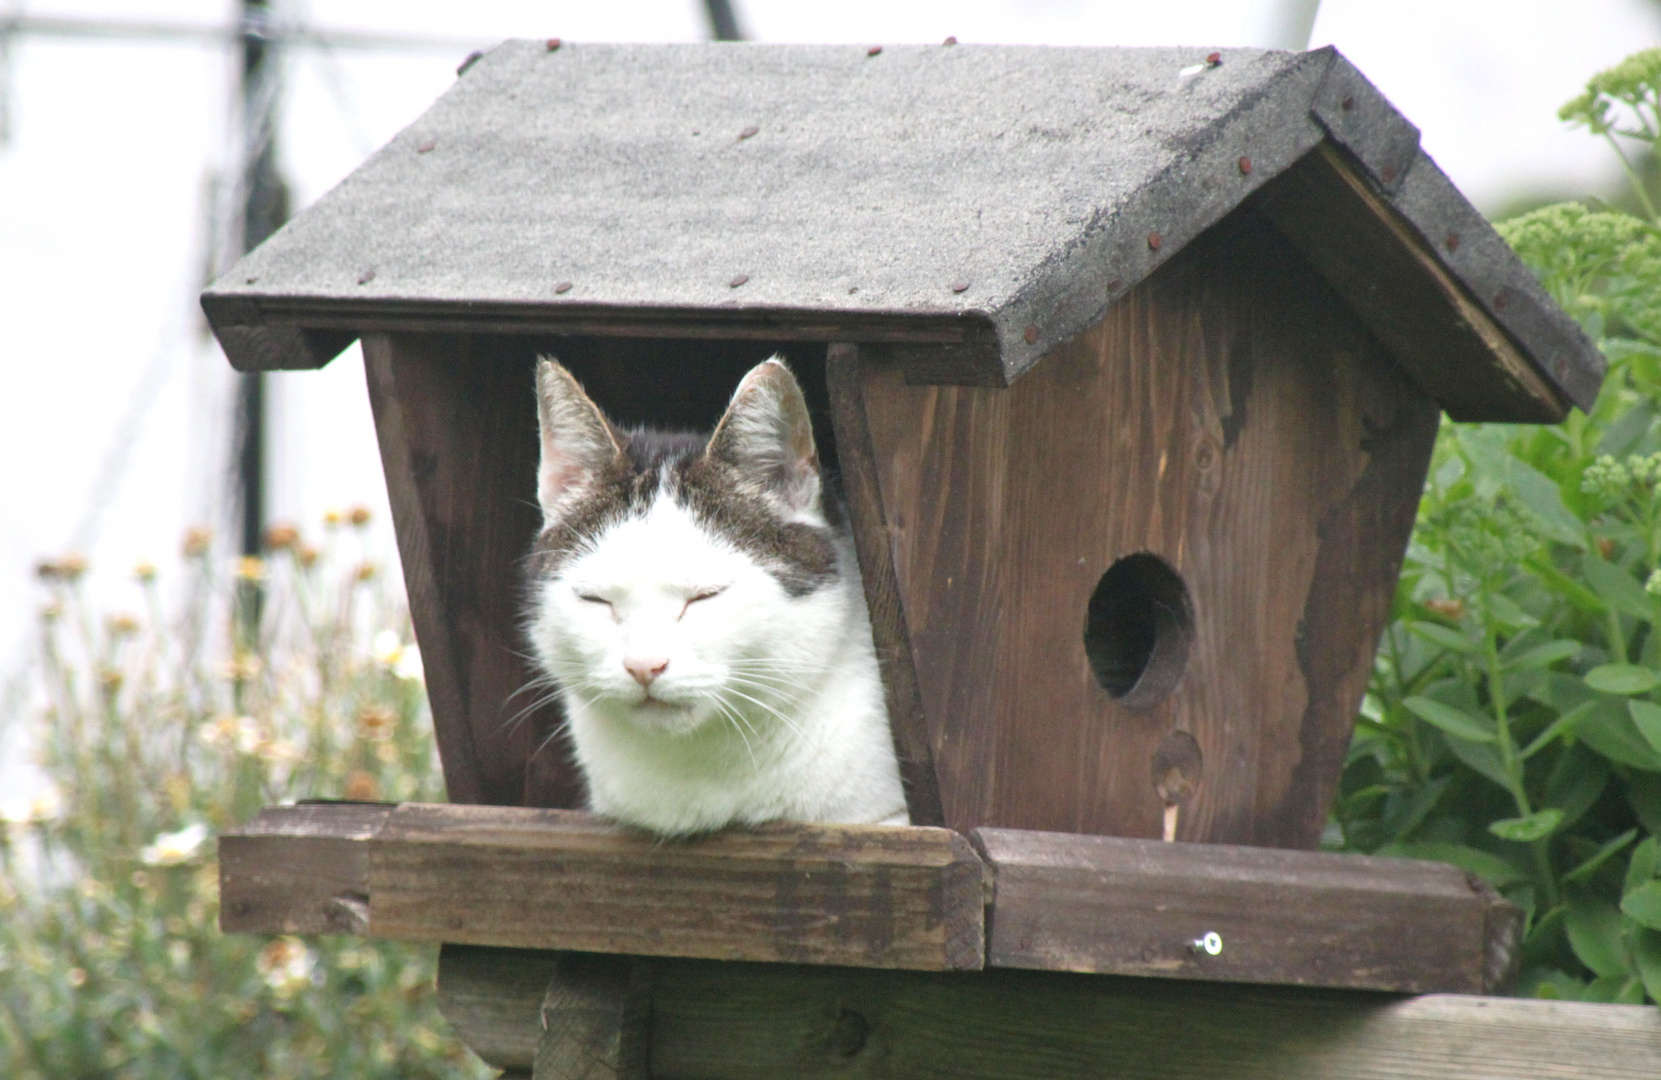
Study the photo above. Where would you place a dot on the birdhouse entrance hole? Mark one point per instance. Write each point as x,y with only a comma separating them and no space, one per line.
1138,629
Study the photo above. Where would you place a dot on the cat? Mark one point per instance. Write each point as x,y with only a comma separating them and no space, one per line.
697,602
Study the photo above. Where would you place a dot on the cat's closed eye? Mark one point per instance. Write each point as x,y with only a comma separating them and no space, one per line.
704,594
590,598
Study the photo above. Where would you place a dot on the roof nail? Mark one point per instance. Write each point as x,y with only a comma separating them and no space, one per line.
960,285
426,146
562,286
1389,174
1347,104
472,58
1453,241
1502,298
1116,284
1245,166
366,277
748,132
951,39
873,50
554,43
1154,241
251,280
1030,333
737,281
1214,58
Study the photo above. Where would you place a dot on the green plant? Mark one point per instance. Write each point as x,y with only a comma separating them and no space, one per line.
269,680
1513,723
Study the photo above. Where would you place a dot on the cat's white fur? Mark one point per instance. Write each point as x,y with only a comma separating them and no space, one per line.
769,707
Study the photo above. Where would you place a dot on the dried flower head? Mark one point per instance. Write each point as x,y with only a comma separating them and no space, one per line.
250,568
144,571
365,571
362,787
376,722
358,515
121,624
331,517
196,543
305,555
66,568
281,537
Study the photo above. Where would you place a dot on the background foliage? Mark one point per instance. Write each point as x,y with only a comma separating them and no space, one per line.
157,731
1513,725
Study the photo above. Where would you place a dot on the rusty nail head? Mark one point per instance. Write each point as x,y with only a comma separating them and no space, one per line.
366,277
562,287
426,146
873,50
472,58
1030,333
1115,285
1347,104
554,43
951,39
251,280
960,285
1502,298
1154,241
1453,241
749,132
1245,166
737,281
1388,175
1214,58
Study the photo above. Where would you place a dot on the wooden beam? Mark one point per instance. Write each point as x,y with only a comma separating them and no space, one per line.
1403,292
860,895
872,540
704,1019
1144,907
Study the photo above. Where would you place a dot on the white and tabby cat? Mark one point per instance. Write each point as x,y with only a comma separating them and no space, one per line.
700,609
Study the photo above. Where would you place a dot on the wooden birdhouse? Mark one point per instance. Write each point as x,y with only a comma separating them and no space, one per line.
1130,362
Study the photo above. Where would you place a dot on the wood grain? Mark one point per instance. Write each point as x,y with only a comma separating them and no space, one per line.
1230,416
735,1021
889,632
529,878
299,870
1404,293
457,428
493,1000
1136,907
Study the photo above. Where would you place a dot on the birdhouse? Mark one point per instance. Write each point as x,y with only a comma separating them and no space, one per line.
1130,363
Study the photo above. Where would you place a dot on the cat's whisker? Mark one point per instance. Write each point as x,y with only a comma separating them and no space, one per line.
783,719
738,725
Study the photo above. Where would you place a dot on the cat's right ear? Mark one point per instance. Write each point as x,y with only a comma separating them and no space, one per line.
578,442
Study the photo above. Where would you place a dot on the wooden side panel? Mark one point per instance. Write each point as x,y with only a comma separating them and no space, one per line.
1228,415
1112,905
457,429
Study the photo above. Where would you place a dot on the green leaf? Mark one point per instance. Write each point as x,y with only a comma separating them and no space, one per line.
1594,930
1601,856
1536,491
1643,904
1566,587
1534,826
1647,717
1644,864
1447,638
1493,869
1483,758
1619,589
1608,728
1542,655
1575,782
1504,611
1620,989
1562,725
1622,679
1455,722
1646,955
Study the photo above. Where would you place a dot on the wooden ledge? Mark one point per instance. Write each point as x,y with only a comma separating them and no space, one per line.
867,896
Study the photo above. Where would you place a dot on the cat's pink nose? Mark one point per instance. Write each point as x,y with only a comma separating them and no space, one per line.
645,669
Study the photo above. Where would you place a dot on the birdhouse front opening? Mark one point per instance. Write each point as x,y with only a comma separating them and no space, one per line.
1137,630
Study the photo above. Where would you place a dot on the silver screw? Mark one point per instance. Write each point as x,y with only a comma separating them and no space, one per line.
1211,944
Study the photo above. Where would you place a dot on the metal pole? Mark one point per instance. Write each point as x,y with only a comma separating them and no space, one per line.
264,209
723,20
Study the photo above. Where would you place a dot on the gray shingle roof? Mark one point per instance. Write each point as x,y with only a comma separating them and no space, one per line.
991,199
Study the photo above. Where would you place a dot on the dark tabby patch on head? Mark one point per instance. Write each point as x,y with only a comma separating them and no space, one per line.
802,558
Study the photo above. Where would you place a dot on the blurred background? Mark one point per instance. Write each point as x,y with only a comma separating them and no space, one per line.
122,146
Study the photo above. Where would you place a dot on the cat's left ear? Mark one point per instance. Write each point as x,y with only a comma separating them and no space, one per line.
767,436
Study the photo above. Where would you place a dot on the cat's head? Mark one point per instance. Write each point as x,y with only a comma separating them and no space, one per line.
680,578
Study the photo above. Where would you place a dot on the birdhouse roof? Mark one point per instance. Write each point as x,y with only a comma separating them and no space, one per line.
983,202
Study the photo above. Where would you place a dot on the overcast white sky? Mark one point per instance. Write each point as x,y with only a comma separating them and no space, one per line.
112,407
